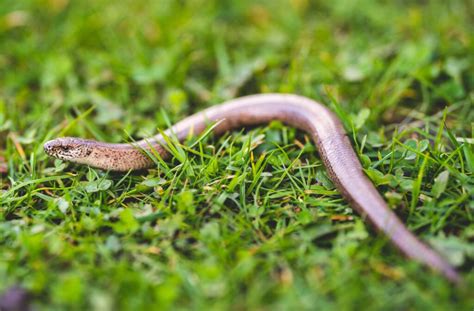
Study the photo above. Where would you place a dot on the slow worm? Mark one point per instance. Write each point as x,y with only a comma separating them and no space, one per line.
303,113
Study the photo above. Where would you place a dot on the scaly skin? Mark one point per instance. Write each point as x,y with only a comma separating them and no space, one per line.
303,113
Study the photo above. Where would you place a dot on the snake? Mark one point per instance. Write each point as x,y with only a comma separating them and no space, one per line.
318,121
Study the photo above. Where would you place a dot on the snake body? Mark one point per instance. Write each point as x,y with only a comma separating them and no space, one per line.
303,113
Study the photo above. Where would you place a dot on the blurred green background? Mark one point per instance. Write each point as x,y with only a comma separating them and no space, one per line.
108,69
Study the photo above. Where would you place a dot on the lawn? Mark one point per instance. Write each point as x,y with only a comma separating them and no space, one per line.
248,220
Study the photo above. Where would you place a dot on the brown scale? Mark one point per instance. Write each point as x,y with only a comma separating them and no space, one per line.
303,113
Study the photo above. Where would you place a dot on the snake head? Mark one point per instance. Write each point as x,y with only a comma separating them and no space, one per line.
68,148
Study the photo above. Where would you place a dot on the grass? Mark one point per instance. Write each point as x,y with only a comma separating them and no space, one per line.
249,220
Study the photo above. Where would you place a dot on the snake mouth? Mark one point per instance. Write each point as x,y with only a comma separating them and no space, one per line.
52,147
49,147
59,147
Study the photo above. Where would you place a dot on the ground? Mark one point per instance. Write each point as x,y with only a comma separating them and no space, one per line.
249,220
